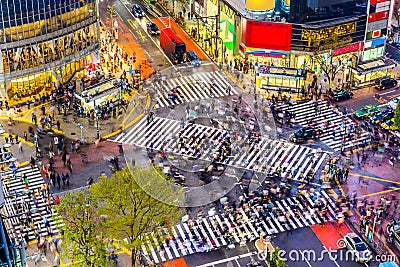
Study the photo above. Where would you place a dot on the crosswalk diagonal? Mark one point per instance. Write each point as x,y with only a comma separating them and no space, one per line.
241,226
191,88
338,130
195,140
24,194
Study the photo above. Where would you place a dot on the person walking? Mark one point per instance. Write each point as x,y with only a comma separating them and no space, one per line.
64,157
58,178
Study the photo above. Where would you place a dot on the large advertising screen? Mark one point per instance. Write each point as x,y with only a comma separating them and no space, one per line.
260,4
268,35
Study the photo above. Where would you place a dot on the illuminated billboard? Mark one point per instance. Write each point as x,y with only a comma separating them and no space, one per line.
267,35
260,4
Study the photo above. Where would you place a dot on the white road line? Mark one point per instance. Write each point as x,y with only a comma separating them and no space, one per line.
388,92
229,259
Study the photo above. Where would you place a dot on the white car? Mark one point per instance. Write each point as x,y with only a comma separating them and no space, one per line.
393,103
358,248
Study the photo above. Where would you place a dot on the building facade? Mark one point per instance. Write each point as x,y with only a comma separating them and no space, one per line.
287,37
43,43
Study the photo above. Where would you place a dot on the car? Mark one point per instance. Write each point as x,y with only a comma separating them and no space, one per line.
382,116
389,125
366,111
385,82
358,248
341,94
304,134
152,28
137,11
193,58
393,103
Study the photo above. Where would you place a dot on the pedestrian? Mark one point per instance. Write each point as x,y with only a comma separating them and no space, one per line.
69,165
63,178
67,178
89,181
58,178
20,147
346,174
58,125
64,157
25,136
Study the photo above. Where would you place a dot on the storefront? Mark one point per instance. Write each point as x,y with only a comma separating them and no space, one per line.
367,72
277,78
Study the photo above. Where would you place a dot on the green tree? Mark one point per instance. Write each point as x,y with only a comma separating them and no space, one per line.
397,117
330,65
130,213
78,221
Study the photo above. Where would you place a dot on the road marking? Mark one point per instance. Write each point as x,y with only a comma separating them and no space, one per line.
387,92
229,259
330,256
157,45
141,35
305,259
131,23
379,193
385,104
393,96
374,178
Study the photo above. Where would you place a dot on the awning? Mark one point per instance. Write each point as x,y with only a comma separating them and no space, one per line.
377,65
263,53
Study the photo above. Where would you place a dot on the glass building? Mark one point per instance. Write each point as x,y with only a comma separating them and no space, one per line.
43,43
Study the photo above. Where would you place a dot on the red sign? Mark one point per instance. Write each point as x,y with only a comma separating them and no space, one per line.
348,49
378,16
268,35
372,2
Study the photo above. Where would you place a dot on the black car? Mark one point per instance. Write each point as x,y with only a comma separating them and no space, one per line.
385,82
305,134
152,28
341,94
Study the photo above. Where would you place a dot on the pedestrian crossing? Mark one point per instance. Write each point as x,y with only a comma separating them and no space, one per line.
22,200
267,156
191,88
338,129
239,227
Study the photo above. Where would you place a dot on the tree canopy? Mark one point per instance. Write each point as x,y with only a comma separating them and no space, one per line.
78,221
123,211
397,116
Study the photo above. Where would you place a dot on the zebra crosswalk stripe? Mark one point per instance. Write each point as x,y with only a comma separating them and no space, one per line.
16,193
251,225
192,88
304,112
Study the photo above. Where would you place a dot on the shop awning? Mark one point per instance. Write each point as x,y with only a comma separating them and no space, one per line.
376,65
263,53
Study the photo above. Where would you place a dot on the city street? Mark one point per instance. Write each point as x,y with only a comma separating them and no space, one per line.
252,164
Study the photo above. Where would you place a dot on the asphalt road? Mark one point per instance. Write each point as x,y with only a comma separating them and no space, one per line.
301,249
366,96
137,26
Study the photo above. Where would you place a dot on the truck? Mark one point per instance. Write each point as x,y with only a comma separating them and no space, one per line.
172,45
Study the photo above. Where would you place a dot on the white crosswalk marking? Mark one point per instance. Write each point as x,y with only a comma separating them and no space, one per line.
211,232
19,200
334,124
191,88
294,161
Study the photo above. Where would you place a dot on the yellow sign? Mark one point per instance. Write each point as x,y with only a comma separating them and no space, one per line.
260,4
329,32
